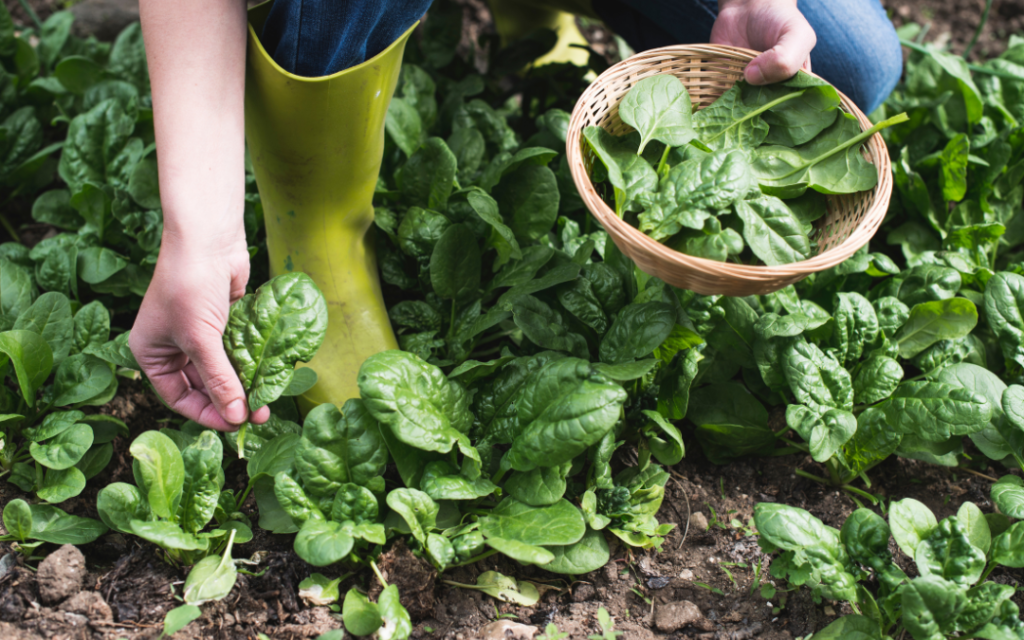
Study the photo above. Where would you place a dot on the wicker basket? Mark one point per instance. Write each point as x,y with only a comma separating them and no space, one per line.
708,71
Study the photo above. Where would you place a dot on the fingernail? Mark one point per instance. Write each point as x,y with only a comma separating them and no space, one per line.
236,412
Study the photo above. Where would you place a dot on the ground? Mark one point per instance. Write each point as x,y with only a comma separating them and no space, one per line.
704,584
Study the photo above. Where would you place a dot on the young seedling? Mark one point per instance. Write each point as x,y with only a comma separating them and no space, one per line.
604,621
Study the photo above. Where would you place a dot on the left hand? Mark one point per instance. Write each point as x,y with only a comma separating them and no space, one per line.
775,27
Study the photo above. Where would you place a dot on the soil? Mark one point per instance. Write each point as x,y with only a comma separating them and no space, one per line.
954,22
703,584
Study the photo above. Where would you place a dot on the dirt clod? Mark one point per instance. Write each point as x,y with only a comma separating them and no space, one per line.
89,604
676,615
61,574
415,578
583,592
698,522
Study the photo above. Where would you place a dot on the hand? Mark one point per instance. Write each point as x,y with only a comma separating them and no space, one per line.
775,27
177,337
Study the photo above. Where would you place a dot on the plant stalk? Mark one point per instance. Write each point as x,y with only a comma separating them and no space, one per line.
664,160
34,17
9,228
811,476
376,572
977,32
485,554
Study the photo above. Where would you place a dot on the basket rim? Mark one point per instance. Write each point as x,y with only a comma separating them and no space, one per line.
859,236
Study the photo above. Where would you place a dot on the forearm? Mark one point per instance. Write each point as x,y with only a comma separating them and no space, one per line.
196,55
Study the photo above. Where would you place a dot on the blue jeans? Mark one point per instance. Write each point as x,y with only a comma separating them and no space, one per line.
857,49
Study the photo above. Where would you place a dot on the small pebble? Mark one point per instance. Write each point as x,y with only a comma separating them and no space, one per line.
658,583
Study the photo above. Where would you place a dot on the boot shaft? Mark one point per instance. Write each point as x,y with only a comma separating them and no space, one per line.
316,146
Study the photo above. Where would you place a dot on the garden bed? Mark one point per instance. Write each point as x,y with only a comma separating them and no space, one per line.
698,587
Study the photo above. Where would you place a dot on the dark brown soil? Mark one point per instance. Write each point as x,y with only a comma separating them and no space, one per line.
954,22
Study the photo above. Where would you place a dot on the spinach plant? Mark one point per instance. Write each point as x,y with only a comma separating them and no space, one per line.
178,494
30,525
949,598
386,617
50,350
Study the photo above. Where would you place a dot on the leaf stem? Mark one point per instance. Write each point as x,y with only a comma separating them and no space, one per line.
756,112
35,17
979,474
864,135
485,554
664,160
376,572
245,494
977,32
9,228
864,494
241,440
811,476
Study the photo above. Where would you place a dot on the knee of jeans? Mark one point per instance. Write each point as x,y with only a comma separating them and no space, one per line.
875,68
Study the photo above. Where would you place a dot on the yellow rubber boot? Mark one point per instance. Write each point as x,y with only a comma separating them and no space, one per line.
515,19
316,145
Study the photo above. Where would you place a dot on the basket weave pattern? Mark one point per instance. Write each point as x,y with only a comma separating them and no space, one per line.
708,71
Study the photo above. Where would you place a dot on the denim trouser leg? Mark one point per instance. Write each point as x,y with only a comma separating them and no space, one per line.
857,51
319,37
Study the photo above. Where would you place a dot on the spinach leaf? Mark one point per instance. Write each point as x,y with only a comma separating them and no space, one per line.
774,234
830,163
798,119
730,122
269,331
429,175
659,108
558,524
161,472
630,174
339,447
638,329
930,322
562,410
948,553
416,402
730,422
50,317
935,411
1004,299
911,523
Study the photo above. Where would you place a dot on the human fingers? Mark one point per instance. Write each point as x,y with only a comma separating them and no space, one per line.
791,52
221,383
174,387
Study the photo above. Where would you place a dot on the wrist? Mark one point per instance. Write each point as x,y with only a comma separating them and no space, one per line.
195,243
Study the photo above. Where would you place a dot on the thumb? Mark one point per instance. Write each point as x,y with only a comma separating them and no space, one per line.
219,378
782,61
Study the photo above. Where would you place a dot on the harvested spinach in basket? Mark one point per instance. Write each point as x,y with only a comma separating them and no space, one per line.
741,180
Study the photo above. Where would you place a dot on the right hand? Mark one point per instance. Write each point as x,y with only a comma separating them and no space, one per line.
177,337
775,27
